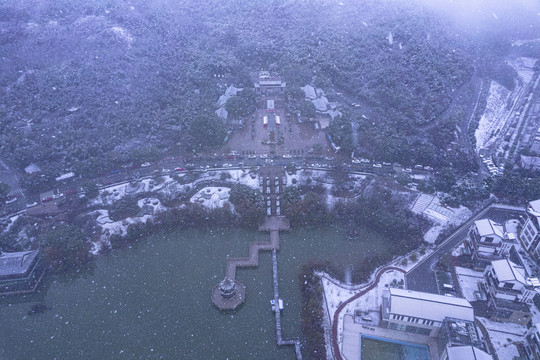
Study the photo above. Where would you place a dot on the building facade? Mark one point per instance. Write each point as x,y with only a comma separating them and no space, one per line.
510,291
530,232
532,339
422,313
268,85
487,241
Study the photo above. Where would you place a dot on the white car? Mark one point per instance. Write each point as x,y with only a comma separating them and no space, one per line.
146,164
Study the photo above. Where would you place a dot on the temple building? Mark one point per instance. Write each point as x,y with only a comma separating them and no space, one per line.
268,85
20,272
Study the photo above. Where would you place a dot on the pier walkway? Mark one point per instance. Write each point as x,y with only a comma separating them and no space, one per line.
280,340
272,183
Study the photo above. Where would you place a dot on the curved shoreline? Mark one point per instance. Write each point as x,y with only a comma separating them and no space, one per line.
335,345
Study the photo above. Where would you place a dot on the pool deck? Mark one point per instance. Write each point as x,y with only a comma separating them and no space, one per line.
352,331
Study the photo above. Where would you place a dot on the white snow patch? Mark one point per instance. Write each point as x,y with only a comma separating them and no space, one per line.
335,293
122,34
524,67
12,221
523,42
494,117
503,336
468,281
443,216
211,197
154,202
243,177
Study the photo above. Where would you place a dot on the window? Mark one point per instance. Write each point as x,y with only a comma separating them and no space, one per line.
488,239
508,285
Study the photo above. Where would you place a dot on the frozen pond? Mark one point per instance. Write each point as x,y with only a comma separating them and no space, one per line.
152,301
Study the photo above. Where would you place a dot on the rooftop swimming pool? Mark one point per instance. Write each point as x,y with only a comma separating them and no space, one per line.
375,348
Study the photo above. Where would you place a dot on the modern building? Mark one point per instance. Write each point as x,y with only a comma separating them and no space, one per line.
464,352
510,291
20,272
487,241
532,339
459,339
422,313
268,85
530,162
530,232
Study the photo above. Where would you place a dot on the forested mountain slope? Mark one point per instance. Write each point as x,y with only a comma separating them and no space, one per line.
92,85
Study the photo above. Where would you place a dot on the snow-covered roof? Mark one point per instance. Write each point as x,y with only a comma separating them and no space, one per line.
16,263
530,162
270,82
487,227
321,104
309,91
506,270
535,206
429,306
467,352
65,176
232,91
222,113
229,93
32,168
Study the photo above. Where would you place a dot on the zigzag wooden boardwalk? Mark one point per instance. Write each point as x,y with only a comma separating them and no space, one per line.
253,259
280,340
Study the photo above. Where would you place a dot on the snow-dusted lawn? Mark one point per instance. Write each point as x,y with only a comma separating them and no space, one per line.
243,177
468,281
335,294
430,206
502,335
211,197
154,203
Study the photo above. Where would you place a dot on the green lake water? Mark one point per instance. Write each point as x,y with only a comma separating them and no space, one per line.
152,301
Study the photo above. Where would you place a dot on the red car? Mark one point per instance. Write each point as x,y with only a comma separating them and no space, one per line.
178,169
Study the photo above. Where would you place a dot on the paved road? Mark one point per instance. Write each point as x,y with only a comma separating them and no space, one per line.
422,276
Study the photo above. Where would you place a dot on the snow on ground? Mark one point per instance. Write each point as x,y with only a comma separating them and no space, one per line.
494,117
468,281
109,227
12,221
503,335
523,42
244,178
152,202
410,264
524,67
430,206
212,196
335,294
